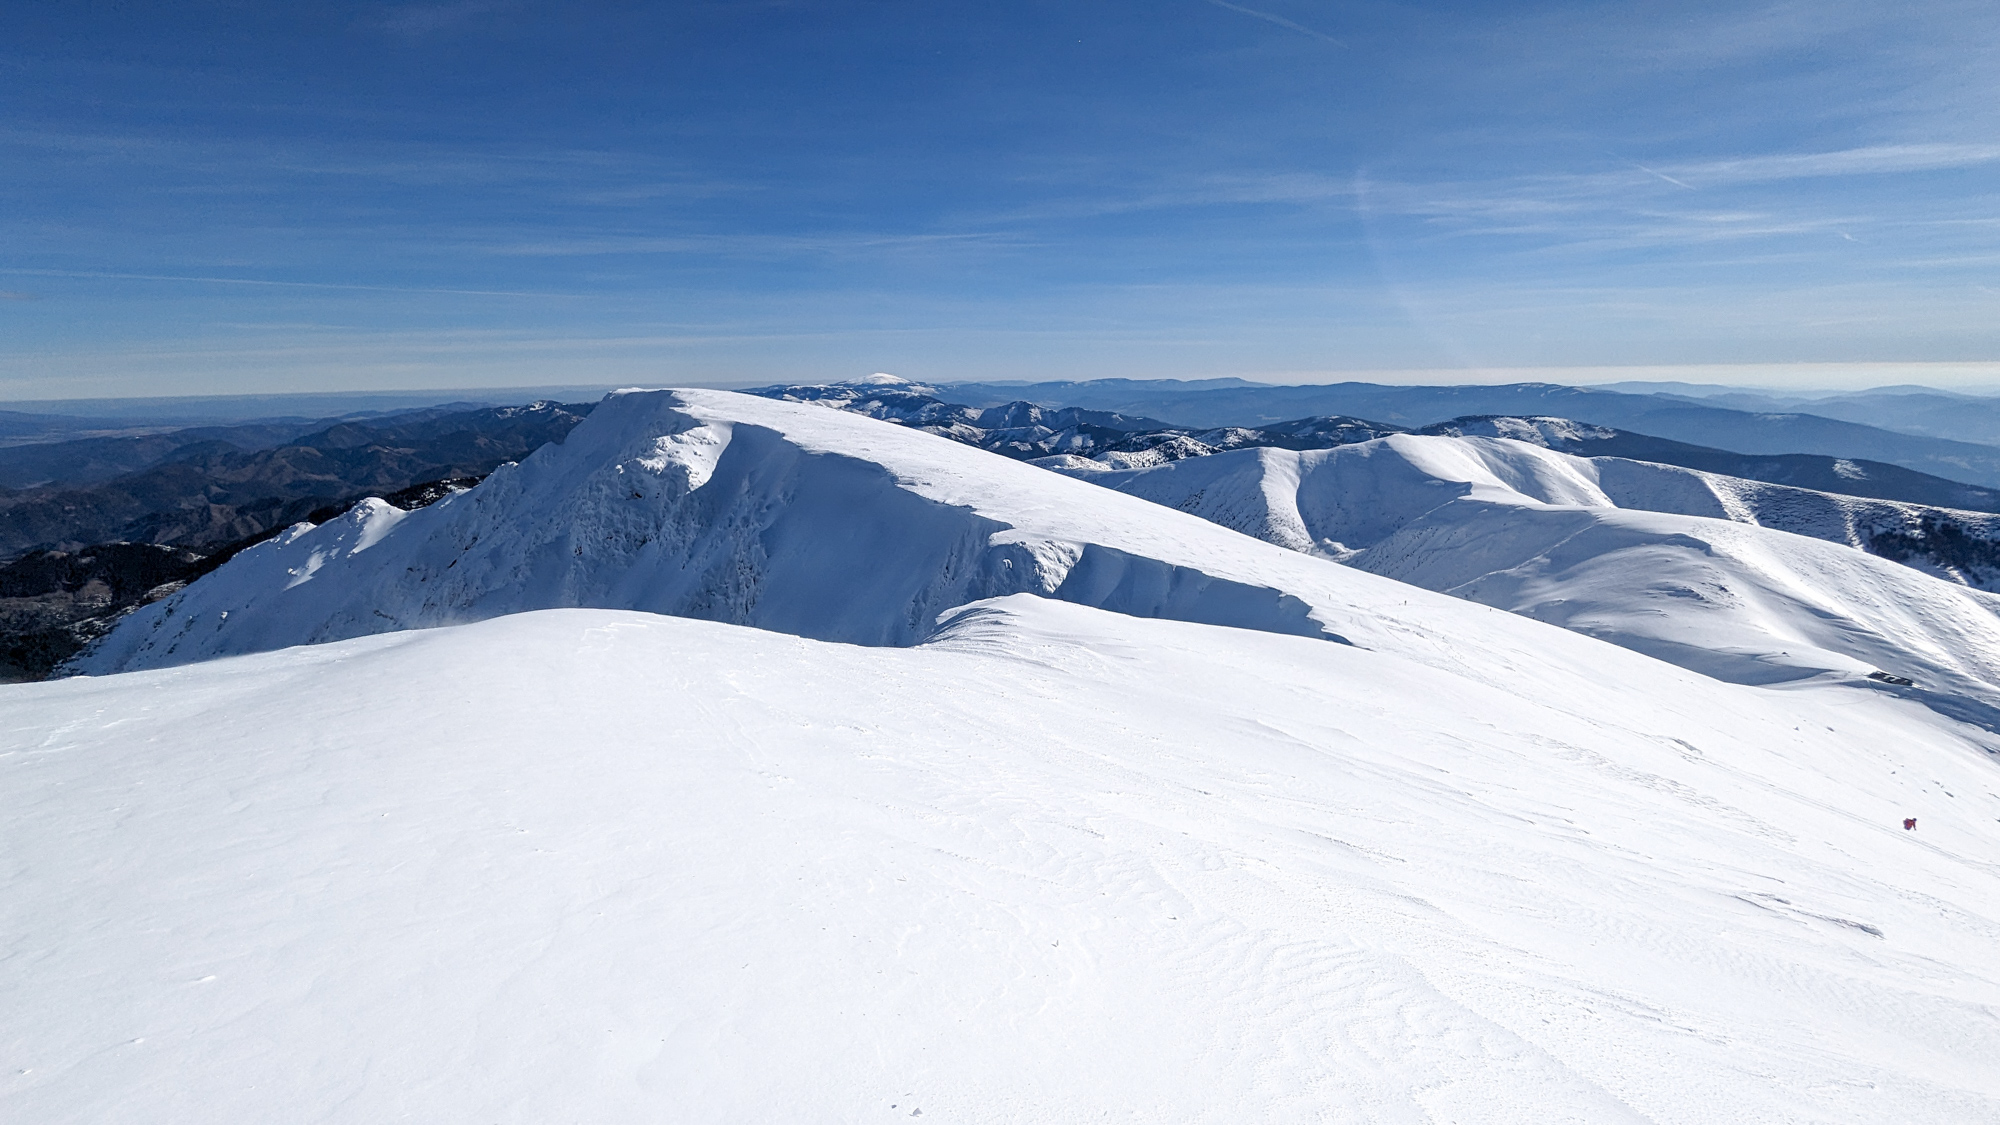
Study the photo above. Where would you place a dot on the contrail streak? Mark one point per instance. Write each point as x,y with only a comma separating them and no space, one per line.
1664,176
264,282
1280,21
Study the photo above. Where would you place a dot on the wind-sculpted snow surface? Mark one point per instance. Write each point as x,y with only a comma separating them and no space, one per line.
737,509
1667,561
1052,865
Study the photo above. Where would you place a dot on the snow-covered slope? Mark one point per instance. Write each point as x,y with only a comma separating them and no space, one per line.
826,525
1053,865
733,508
1880,508
1664,560
1962,546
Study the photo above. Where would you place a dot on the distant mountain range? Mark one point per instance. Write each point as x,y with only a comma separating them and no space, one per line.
1649,556
45,419
90,460
1909,410
1112,440
1025,431
210,492
1677,419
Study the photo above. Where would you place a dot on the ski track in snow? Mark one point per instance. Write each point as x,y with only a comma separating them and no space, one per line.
603,865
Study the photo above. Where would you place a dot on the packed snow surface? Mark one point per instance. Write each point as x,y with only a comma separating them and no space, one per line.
1672,562
1051,864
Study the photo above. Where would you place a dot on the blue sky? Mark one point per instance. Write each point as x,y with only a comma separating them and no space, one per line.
260,197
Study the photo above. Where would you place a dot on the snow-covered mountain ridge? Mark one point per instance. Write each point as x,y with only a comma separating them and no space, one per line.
739,509
1959,546
1666,561
1944,527
1107,440
1845,476
839,527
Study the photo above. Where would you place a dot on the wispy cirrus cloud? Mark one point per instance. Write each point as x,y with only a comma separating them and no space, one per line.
687,155
416,20
1685,202
601,176
762,245
257,282
1521,196
1873,160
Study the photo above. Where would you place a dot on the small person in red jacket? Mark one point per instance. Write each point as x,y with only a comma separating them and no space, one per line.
1909,824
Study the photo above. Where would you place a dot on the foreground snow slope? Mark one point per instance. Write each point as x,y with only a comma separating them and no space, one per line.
1054,864
1667,561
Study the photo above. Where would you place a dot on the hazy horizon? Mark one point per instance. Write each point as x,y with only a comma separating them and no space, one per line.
1831,381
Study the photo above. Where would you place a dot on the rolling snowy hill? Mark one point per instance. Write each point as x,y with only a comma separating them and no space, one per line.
1845,476
1667,561
1958,545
